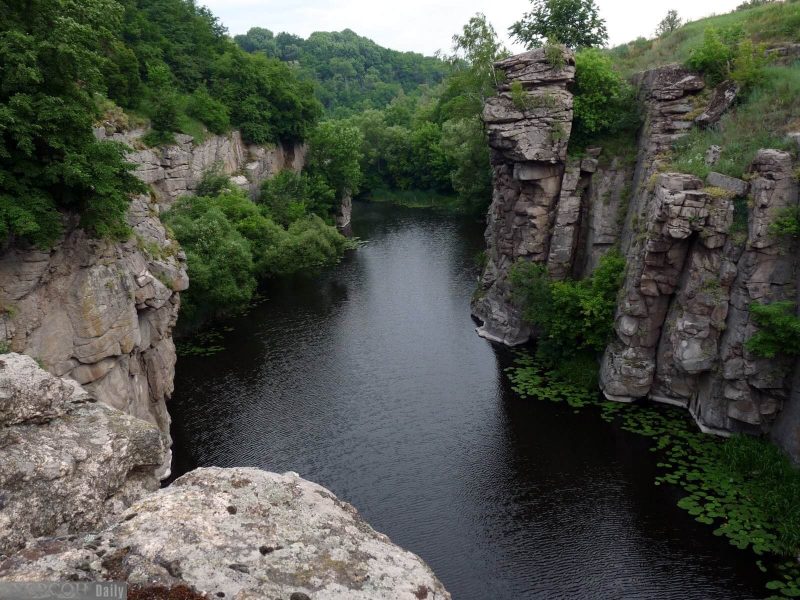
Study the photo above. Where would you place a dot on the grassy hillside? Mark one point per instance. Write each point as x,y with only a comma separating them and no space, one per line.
773,22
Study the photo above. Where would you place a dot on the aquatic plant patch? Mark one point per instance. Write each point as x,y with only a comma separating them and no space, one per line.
743,486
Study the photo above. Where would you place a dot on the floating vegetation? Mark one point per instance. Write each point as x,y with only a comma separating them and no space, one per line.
207,343
744,486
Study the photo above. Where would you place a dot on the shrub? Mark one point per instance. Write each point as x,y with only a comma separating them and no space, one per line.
289,196
714,56
212,113
779,330
786,224
230,245
572,317
603,100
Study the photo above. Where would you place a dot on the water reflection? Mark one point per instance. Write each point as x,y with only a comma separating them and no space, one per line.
369,379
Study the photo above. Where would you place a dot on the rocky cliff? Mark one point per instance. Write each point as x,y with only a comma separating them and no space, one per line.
70,465
528,134
175,170
102,312
698,252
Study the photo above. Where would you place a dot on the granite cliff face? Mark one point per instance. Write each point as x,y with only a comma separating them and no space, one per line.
79,501
102,312
175,170
698,254
528,140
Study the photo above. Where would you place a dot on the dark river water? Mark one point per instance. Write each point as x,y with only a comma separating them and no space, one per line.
370,380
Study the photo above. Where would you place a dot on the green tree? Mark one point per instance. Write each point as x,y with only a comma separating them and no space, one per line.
669,23
334,155
602,99
52,61
574,23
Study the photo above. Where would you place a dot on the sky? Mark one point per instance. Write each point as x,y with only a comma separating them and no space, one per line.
428,25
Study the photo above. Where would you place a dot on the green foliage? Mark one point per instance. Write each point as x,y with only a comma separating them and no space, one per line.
725,54
351,73
467,151
787,224
777,22
760,121
575,23
603,100
778,330
668,24
289,196
334,155
51,65
4,347
212,113
714,57
571,317
231,245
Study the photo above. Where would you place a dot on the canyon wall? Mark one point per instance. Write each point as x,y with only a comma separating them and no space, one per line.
698,253
102,312
528,134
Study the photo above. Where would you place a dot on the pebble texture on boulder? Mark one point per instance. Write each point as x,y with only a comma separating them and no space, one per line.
241,532
67,463
528,140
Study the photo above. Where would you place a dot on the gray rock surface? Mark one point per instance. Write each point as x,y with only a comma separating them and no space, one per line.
67,463
698,255
722,98
735,186
528,150
101,312
244,533
175,170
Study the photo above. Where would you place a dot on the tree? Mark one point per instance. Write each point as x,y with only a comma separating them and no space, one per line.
474,79
669,23
335,154
574,23
602,98
51,65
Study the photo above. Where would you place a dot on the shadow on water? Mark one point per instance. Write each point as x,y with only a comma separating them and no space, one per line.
370,380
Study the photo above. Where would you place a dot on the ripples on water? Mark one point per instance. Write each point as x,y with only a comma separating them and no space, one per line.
370,380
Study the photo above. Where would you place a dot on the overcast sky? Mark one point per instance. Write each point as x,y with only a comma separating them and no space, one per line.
428,25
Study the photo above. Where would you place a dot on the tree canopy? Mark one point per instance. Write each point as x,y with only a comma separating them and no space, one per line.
574,23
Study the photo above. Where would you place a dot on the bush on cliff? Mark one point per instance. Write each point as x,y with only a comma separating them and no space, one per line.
573,319
778,330
231,245
603,101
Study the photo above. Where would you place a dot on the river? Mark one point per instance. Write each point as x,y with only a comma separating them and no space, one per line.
370,380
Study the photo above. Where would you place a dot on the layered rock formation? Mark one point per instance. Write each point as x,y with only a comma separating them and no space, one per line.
528,137
70,465
698,253
101,312
175,170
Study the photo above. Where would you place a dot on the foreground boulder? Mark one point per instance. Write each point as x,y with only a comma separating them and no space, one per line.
237,533
67,463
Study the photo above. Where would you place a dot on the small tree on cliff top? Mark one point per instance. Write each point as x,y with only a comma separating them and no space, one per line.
669,23
574,23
